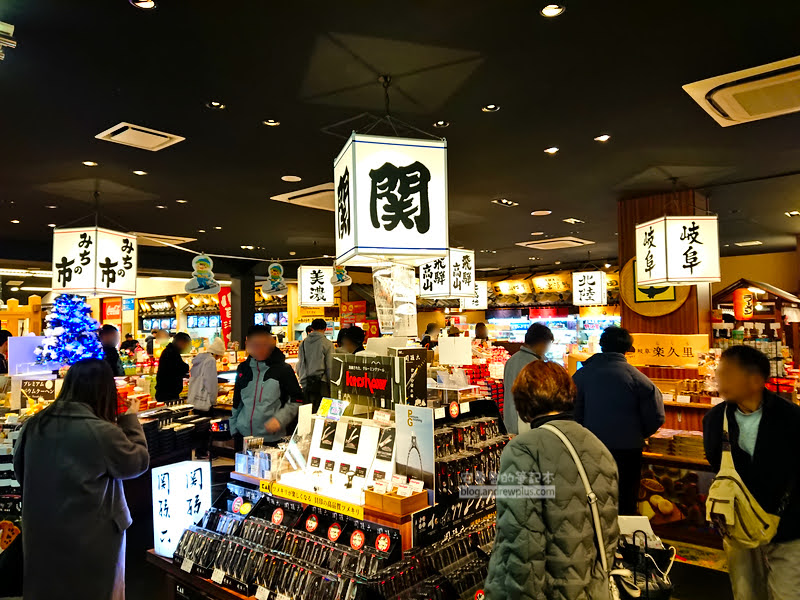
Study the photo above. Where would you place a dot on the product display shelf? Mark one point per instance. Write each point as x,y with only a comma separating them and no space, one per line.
177,578
670,460
702,405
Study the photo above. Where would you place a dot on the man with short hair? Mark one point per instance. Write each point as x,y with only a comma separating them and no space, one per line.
266,395
537,341
172,369
149,341
621,406
109,338
353,340
129,345
765,445
314,364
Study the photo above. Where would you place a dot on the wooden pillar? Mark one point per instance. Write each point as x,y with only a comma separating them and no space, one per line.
693,315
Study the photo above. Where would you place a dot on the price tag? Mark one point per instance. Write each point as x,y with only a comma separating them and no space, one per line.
404,490
382,417
398,480
379,487
262,593
416,485
667,397
324,407
683,399
282,597
187,565
217,576
464,407
438,413
715,401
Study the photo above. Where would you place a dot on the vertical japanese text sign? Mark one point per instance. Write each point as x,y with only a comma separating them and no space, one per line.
391,200
589,288
678,251
225,313
452,276
316,288
480,298
181,496
94,261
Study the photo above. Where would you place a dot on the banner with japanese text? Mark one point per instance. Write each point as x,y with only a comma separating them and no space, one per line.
225,313
668,350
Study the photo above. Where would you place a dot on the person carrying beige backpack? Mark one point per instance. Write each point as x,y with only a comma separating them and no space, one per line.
753,441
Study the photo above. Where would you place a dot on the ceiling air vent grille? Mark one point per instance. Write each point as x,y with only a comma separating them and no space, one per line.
319,197
555,243
139,137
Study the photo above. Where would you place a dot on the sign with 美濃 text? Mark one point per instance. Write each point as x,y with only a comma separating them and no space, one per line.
450,276
479,299
589,288
94,261
677,251
315,284
181,496
391,200
668,350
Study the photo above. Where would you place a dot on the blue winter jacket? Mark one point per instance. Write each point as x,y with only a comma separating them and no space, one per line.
265,389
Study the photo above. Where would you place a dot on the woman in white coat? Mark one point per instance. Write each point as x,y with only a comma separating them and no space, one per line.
203,385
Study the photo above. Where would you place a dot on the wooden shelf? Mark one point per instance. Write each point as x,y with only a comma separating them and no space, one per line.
206,587
688,404
672,460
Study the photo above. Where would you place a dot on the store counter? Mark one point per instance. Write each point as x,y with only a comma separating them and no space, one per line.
176,582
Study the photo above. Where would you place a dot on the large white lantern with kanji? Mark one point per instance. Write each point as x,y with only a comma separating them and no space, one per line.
451,276
678,251
391,200
315,285
589,288
93,261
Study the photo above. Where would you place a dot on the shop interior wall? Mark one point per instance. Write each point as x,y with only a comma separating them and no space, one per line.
438,317
781,269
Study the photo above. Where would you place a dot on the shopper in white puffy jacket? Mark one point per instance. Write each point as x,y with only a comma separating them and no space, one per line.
203,380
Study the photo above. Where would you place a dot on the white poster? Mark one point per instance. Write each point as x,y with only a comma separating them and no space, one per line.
678,251
395,299
451,276
391,200
479,299
315,284
589,288
181,496
94,261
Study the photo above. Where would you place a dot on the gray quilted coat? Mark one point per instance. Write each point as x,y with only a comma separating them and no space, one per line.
546,549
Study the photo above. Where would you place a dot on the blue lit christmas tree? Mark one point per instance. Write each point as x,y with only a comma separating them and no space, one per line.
71,333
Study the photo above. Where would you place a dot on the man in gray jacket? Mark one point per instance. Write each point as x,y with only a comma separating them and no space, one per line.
621,406
314,364
537,341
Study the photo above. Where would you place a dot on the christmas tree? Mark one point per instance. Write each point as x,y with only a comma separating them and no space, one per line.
71,332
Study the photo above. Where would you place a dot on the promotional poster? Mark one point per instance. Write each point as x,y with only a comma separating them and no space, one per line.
415,456
367,382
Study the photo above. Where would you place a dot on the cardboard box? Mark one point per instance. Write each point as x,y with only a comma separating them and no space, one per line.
397,505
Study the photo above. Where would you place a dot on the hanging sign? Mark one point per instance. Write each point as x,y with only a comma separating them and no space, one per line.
678,251
225,314
202,281
516,287
276,286
589,288
181,496
668,350
479,299
315,285
556,283
391,200
451,276
340,276
744,302
352,313
94,261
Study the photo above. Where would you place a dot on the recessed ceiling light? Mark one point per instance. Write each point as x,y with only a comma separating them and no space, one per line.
14,289
607,265
533,258
217,227
551,150
749,243
541,213
537,232
140,172
558,262
143,4
182,201
247,247
602,138
792,213
552,10
215,105
727,245
292,253
89,163
51,206
490,108
291,178
51,225
161,206
504,202
201,231
15,221
271,123
441,124
489,251
572,221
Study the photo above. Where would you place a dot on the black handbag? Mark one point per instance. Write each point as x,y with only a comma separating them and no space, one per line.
650,569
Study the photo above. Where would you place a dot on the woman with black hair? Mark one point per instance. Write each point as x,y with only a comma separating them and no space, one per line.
70,460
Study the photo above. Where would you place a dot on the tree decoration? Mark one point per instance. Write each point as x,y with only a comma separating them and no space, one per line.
71,332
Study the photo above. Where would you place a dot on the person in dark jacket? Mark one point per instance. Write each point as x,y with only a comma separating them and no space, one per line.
537,341
431,338
545,545
621,406
172,369
353,340
266,394
70,460
315,363
5,334
109,338
130,344
765,444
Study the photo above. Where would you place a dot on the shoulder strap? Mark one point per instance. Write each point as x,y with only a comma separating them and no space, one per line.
590,495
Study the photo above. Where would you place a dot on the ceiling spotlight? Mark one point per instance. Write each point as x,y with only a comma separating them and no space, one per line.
533,258
89,163
51,225
491,108
292,253
602,138
558,262
541,213
271,123
217,227
792,213
201,231
140,172
489,251
215,105
247,248
15,221
552,10
51,206
181,201
551,150
740,244
759,306
441,124
291,178
607,265
572,221
537,232
504,202
161,206
143,4
14,289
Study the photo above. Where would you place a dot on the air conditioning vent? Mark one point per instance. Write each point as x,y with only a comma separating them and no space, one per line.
555,243
139,137
160,241
320,197
750,95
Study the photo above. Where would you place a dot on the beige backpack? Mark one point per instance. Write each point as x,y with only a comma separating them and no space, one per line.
732,508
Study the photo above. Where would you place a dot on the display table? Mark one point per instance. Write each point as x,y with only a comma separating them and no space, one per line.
178,584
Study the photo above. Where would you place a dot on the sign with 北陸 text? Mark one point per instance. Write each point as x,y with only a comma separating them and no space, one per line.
391,200
589,288
678,251
94,261
450,276
181,496
315,285
668,350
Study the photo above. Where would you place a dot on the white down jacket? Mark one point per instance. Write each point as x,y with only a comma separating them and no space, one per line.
203,382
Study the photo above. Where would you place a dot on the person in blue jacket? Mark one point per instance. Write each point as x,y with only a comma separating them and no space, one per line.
266,395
